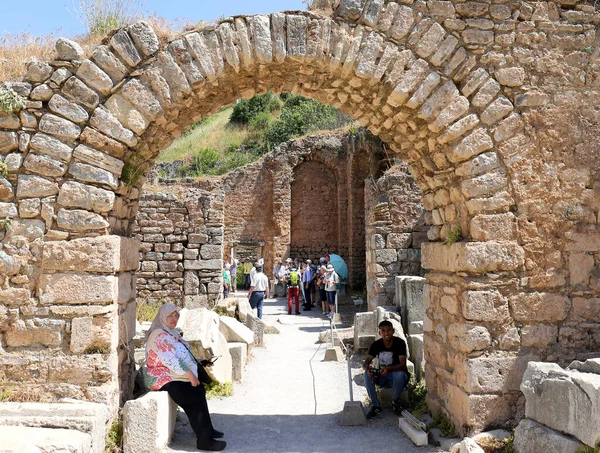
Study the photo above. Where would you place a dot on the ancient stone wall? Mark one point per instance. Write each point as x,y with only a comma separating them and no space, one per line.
395,230
492,105
181,252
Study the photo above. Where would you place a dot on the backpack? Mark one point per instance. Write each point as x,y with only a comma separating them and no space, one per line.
294,278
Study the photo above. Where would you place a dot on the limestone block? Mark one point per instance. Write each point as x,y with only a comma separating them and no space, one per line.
69,110
476,257
109,63
234,331
487,306
31,186
148,423
257,326
296,36
351,9
81,334
38,72
89,173
388,313
386,256
124,46
404,23
75,416
8,141
201,330
486,93
195,301
59,127
207,265
589,366
563,400
80,220
414,308
580,267
35,331
469,338
239,355
77,289
468,445
540,307
532,437
68,50
50,146
142,98
127,114
24,439
79,92
417,354
243,308
94,77
31,229
105,254
8,210
365,328
42,93
144,37
106,123
98,159
76,195
497,373
511,77
278,22
6,189
211,252
60,75
497,110
13,162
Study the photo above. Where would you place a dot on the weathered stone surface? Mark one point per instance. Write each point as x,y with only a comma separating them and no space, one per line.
533,437
8,141
477,257
486,306
485,184
6,189
59,127
127,114
79,92
80,220
109,63
94,77
68,50
38,72
563,400
97,140
50,146
69,110
76,195
497,110
235,331
106,123
144,37
142,98
25,439
44,165
88,173
540,307
124,46
9,121
475,143
511,77
468,338
30,186
99,159
493,227
78,289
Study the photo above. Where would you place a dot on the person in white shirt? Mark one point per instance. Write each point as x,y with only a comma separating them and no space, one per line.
259,289
331,281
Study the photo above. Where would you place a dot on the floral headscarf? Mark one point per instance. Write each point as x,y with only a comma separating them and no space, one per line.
160,322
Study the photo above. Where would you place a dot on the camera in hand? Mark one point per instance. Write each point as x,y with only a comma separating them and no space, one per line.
376,372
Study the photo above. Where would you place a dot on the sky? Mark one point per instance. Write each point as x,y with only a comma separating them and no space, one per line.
43,17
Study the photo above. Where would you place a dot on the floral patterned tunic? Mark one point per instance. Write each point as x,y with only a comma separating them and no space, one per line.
167,360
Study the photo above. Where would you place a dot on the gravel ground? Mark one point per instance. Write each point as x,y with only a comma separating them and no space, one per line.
290,400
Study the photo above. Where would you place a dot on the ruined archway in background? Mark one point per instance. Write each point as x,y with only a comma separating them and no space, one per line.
467,94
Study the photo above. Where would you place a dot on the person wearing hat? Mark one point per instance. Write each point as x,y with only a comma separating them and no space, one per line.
331,281
246,270
259,289
321,289
307,285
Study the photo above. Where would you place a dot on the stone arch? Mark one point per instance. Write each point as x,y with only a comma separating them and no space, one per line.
420,77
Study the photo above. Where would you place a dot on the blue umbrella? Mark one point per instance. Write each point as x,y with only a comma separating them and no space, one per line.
339,265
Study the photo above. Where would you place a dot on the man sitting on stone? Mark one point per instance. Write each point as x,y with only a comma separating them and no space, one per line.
388,371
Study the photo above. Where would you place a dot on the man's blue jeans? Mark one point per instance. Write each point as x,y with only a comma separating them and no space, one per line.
256,301
396,380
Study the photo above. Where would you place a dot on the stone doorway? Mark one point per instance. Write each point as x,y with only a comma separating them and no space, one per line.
498,143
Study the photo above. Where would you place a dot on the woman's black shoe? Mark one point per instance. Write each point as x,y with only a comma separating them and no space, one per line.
213,445
217,434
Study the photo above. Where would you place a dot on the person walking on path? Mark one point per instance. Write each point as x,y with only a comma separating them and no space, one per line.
171,367
307,284
259,289
233,272
293,282
331,281
390,370
246,270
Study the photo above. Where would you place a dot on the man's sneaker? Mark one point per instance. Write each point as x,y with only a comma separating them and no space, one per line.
396,407
374,412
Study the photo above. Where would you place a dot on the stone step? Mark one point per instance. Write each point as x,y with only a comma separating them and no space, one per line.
24,439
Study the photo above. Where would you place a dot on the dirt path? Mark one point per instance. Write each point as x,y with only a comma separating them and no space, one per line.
290,400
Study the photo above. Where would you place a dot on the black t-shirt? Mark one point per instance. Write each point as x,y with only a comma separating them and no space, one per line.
388,356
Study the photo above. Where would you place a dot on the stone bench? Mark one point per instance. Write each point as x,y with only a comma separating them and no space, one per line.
148,423
86,421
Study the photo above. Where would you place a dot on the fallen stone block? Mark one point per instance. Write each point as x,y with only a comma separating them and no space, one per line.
257,326
234,331
148,423
589,366
200,328
24,439
243,308
469,445
531,437
239,355
271,330
86,417
564,400
418,437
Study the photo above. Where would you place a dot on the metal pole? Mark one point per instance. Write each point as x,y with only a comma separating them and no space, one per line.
349,374
331,329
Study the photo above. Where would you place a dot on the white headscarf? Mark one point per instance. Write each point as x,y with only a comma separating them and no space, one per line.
160,322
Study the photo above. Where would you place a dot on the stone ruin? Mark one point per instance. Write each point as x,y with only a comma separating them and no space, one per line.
492,106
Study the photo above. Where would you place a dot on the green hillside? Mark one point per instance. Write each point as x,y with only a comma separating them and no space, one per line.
240,134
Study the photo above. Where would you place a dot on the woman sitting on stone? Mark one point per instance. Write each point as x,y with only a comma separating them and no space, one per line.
173,368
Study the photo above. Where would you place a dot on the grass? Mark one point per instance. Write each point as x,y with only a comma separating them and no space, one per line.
214,133
417,394
444,424
114,438
454,235
146,310
586,449
216,390
18,49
